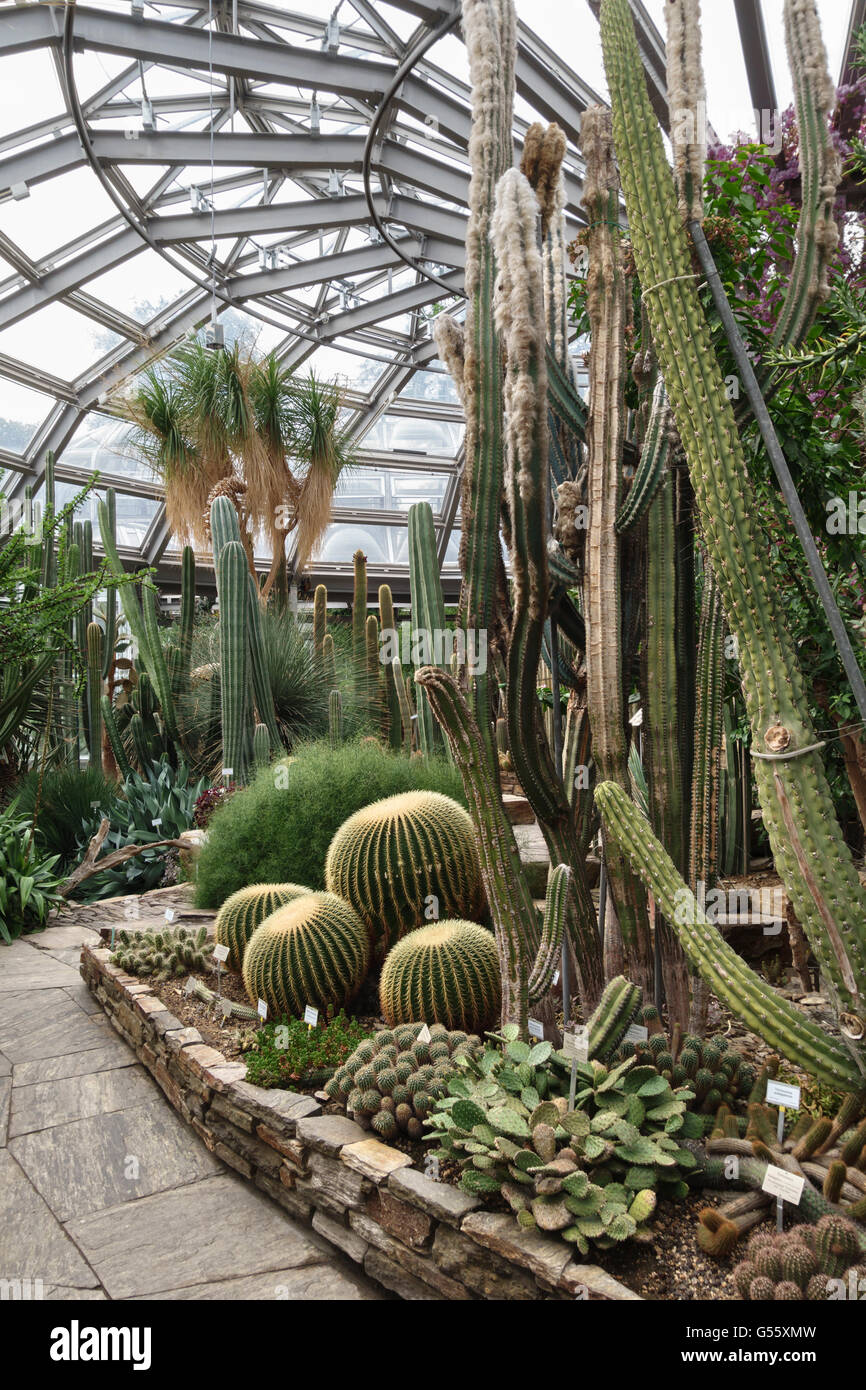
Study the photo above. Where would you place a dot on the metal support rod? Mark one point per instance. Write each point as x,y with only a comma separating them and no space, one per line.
602,896
780,467
557,706
566,986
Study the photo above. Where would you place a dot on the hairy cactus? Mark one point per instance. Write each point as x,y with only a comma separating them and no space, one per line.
393,1075
392,857
314,950
246,909
447,972
160,955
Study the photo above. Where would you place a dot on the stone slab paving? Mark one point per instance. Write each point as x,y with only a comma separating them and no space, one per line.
104,1191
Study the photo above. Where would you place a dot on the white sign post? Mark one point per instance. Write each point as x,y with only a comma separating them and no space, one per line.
576,1046
220,953
784,1186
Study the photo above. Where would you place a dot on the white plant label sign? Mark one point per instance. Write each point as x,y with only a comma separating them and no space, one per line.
169,914
262,1010
424,1035
536,1029
787,1186
780,1094
636,1033
311,1016
220,953
576,1045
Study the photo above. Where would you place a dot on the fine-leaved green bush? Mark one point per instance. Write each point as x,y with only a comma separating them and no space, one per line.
278,829
70,800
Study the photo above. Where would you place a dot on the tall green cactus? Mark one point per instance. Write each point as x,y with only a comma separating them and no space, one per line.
428,608
233,590
329,662
784,1027
335,718
94,693
392,678
111,594
320,623
810,852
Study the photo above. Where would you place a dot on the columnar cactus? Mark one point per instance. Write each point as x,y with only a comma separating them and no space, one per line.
613,1016
232,586
246,909
447,972
335,718
320,623
314,950
428,608
398,859
792,787
392,693
94,693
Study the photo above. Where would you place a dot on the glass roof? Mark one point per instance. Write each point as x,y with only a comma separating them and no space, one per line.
151,151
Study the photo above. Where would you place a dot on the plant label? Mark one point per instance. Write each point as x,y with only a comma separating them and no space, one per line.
424,1035
225,1005
169,914
556,978
156,822
220,953
311,1016
576,1045
228,772
636,1033
536,1029
779,1094
262,1010
787,1186
189,986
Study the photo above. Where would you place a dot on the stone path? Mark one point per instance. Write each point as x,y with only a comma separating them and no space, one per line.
104,1192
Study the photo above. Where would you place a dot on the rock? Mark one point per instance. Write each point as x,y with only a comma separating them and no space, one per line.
542,1256
348,1241
591,1282
438,1199
407,1223
375,1160
328,1134
480,1270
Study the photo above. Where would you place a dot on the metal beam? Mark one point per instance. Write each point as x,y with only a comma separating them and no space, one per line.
756,53
856,20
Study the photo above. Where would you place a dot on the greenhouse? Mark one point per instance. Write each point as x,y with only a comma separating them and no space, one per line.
433,680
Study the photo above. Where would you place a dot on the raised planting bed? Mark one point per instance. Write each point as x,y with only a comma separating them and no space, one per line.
420,1238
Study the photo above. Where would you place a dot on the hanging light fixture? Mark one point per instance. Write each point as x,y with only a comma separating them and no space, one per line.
315,117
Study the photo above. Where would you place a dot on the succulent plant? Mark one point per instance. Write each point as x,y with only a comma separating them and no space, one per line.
590,1174
246,909
717,1073
314,950
395,1075
161,954
392,857
446,972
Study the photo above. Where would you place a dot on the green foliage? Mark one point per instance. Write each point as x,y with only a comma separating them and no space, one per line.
396,857
66,804
590,1174
300,699
446,972
717,1073
165,795
288,1053
28,882
279,828
159,955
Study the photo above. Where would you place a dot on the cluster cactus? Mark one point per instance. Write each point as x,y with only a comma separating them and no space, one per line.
400,858
448,973
391,1082
243,912
162,954
591,1174
810,1264
717,1073
314,950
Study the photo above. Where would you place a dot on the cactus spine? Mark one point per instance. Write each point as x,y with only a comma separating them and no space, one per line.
792,787
447,972
314,950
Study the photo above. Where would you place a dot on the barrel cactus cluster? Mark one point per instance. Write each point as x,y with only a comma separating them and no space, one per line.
160,955
809,1264
391,1083
243,912
716,1072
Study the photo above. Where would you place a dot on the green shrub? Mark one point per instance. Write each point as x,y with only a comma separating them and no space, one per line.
278,829
289,1054
66,806
28,882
